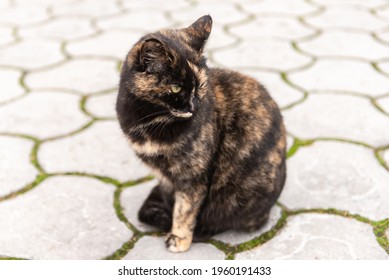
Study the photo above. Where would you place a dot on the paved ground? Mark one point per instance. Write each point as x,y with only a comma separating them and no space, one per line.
70,186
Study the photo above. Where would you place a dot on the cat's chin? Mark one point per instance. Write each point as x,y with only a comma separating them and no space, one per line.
181,114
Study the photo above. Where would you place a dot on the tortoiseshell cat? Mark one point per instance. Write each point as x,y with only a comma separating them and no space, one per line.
214,137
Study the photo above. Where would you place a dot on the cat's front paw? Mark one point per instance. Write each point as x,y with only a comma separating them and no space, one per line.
177,244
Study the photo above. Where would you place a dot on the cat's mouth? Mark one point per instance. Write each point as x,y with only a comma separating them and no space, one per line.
181,114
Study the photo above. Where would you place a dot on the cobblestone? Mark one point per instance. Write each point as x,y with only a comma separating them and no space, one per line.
65,218
314,236
334,175
15,152
25,115
71,187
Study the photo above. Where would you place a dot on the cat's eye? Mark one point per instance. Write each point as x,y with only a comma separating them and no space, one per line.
175,89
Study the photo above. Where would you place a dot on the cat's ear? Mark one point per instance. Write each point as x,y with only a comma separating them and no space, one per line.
154,56
198,32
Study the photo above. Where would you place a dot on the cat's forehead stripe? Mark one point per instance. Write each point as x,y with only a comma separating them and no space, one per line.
200,74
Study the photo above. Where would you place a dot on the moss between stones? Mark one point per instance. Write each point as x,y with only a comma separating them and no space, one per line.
379,229
39,178
126,247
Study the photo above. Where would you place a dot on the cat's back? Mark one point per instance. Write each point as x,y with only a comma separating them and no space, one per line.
242,103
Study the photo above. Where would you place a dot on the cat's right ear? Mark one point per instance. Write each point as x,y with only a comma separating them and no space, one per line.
154,56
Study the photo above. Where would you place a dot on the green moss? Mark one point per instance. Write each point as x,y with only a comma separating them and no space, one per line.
297,144
39,179
379,229
124,249
119,211
377,154
227,249
138,181
332,211
34,157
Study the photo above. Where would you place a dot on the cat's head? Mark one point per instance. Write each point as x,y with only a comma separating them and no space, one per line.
167,68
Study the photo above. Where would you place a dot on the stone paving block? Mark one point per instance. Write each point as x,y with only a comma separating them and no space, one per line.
384,66
217,11
278,27
160,5
23,15
62,218
347,44
234,237
337,175
319,236
383,12
153,248
362,3
84,75
340,116
10,85
339,17
386,157
335,74
113,43
25,116
90,8
132,199
101,149
283,94
383,37
15,152
31,54
61,29
219,39
6,35
246,55
150,21
290,7
102,106
384,103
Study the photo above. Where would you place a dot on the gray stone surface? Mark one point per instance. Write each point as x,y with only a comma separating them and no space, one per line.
337,175
245,55
339,116
102,106
15,152
290,8
6,35
23,15
114,43
341,17
318,236
10,85
26,116
346,44
83,75
325,62
61,29
78,153
153,248
277,27
334,74
63,218
31,54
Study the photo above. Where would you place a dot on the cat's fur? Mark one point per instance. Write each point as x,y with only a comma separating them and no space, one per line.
217,146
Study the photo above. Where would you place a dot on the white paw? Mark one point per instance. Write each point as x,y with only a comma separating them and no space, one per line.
177,244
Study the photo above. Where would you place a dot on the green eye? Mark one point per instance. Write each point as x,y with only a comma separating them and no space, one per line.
175,89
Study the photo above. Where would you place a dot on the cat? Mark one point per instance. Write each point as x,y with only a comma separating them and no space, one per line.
214,138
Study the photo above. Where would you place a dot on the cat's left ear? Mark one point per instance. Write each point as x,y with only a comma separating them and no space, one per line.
154,56
198,32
